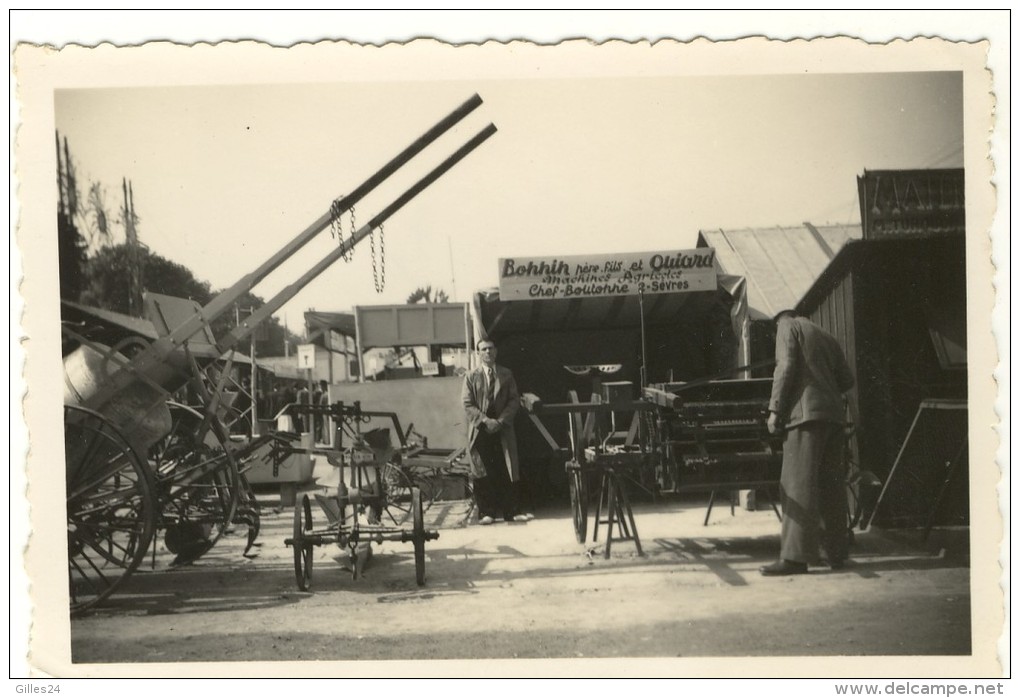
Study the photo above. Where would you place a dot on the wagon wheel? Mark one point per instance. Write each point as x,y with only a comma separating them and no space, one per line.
111,507
303,546
578,499
198,483
419,536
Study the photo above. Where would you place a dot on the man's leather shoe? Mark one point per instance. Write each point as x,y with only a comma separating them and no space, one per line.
784,567
837,564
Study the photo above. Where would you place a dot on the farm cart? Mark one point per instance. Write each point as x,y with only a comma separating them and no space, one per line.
371,502
192,478
129,452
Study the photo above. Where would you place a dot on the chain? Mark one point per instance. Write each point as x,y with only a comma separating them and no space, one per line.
379,270
336,228
354,228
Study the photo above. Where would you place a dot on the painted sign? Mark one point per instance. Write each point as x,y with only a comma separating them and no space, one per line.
902,203
306,356
625,274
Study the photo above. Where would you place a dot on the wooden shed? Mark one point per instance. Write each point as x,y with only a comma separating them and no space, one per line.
898,307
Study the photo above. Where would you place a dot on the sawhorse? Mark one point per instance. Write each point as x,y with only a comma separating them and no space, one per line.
613,497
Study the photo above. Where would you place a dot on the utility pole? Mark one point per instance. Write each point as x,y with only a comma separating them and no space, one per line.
453,273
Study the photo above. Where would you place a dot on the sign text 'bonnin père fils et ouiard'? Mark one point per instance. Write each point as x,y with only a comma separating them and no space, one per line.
626,274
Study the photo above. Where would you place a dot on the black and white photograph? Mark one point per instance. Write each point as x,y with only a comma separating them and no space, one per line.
586,359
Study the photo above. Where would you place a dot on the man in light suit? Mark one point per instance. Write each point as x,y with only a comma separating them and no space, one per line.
490,402
810,378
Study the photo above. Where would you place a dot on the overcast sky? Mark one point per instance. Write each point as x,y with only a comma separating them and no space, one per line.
224,175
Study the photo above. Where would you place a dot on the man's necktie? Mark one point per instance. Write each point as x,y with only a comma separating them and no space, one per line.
490,388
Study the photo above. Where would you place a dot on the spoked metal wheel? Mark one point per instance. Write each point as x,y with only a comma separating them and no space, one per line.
111,507
302,544
578,500
397,507
198,482
419,534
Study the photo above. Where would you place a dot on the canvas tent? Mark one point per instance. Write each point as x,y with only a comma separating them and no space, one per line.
687,335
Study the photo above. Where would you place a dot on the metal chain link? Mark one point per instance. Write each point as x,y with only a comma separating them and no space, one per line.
354,228
336,227
379,270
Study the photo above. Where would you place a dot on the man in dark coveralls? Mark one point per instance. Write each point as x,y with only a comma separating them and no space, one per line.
810,378
490,403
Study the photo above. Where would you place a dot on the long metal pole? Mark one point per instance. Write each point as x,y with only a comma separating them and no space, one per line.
151,362
272,305
225,299
644,355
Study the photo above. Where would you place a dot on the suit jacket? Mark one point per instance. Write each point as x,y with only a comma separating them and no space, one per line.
811,374
505,403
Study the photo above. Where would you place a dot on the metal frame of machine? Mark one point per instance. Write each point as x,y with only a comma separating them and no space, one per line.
704,436
117,409
373,498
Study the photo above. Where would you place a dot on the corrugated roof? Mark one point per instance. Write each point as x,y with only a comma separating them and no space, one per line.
780,263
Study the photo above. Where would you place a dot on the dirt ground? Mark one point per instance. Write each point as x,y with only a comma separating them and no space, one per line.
530,590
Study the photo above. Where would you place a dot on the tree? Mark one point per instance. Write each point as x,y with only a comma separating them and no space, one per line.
71,244
271,337
84,227
108,269
423,294
94,271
